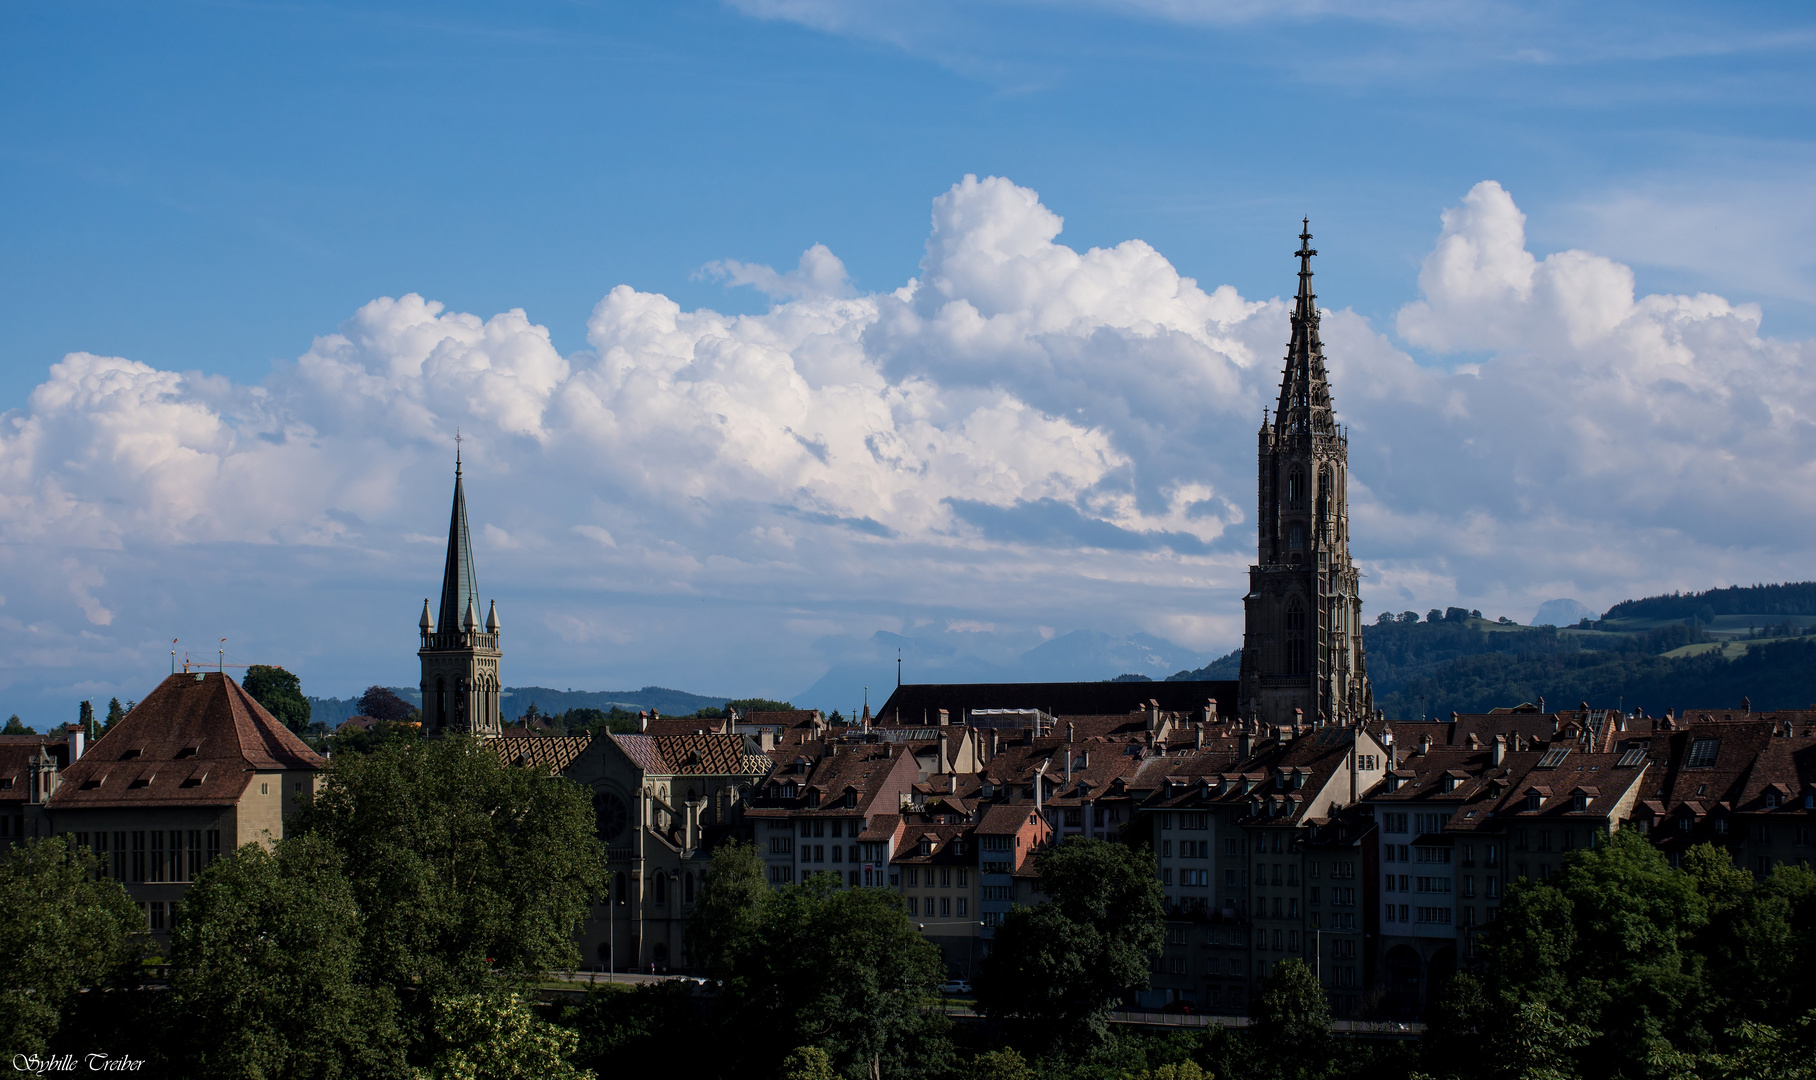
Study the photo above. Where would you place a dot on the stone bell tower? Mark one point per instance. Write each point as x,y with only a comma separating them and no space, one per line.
1302,637
459,656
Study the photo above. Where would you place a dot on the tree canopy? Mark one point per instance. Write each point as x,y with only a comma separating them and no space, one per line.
465,869
1060,967
268,949
816,965
383,703
63,929
280,692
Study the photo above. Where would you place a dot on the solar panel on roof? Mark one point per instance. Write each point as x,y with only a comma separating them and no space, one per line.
1703,753
1554,757
1631,758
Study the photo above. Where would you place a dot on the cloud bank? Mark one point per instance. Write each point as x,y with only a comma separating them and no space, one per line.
1023,437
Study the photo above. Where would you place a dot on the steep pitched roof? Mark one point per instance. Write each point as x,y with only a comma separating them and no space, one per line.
195,740
459,585
551,753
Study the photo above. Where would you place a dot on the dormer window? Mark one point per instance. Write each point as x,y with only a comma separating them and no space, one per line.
813,797
131,754
1534,801
926,847
187,752
789,790
1579,802
1771,800
851,798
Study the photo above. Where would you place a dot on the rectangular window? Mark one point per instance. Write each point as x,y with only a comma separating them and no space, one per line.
214,846
945,905
838,853
195,853
963,877
157,915
176,855
819,853
912,876
781,845
157,855
945,877
962,907
138,855
851,878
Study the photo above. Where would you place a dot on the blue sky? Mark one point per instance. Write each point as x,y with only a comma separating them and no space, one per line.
207,189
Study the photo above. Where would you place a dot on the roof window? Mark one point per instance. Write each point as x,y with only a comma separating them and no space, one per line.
1703,753
1631,758
1554,757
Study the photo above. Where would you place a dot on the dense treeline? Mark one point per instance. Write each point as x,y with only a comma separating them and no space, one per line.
1792,598
1774,675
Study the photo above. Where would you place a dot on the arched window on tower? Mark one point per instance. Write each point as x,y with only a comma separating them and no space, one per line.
1295,536
1295,637
1295,487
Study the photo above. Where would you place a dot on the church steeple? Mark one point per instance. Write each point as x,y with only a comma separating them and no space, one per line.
1302,658
459,585
460,683
1304,387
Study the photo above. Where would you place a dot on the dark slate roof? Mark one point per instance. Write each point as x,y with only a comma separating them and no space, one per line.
459,587
915,703
195,740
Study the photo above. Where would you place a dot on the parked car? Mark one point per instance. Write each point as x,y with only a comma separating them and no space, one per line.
955,986
1180,1006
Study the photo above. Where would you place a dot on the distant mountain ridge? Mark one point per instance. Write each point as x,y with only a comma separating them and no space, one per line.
516,699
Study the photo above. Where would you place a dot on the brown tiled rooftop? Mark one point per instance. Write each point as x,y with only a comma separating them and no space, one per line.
194,740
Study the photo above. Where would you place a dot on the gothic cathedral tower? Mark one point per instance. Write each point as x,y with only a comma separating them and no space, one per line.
459,657
1302,638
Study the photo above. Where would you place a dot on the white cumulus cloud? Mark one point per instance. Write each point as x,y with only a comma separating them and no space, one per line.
1022,436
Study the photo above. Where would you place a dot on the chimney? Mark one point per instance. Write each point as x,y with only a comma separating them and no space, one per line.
1621,724
1070,732
643,721
77,740
993,742
1298,718
1746,705
1499,751
1475,743
1198,736
945,718
943,758
1245,745
1210,711
1424,745
1040,781
1541,704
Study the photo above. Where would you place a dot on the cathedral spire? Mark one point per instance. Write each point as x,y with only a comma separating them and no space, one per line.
459,588
1304,388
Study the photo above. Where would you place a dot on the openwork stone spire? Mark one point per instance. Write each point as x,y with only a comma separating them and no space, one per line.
1304,389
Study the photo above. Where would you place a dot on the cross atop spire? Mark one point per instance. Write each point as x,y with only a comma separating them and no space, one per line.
1304,388
456,453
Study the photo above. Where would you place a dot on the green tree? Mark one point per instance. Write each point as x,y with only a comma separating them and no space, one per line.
1004,1064
382,703
85,715
1292,1022
757,704
497,1037
1058,968
807,1063
281,693
114,714
466,869
839,969
267,950
14,726
63,929
368,740
725,922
